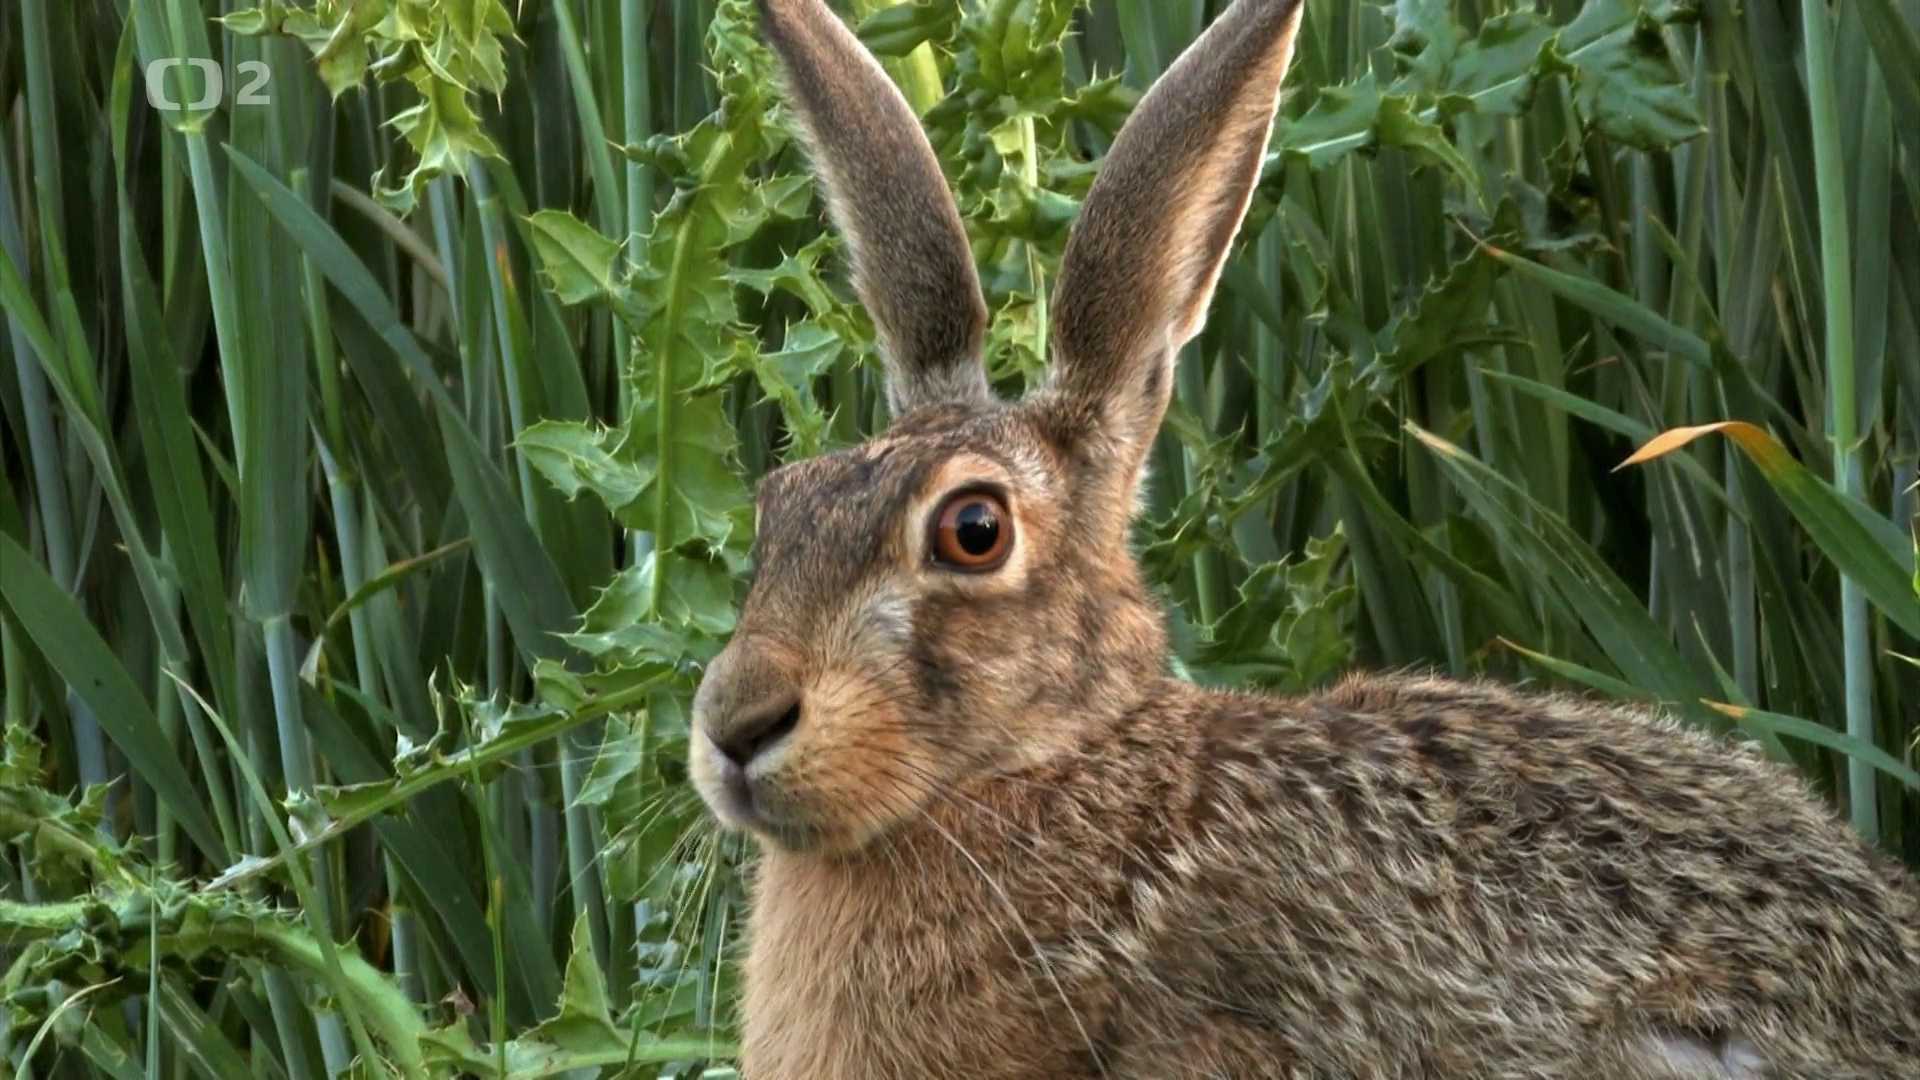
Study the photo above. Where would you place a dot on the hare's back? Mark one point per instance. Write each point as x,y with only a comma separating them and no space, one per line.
1402,871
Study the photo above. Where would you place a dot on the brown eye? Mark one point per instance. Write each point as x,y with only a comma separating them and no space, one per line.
973,532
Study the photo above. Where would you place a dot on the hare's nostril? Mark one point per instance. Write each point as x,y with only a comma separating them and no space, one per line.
753,732
781,727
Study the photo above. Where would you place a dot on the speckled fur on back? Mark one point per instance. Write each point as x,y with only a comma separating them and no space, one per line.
997,840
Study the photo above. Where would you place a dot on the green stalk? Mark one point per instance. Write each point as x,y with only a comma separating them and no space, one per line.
636,71
167,711
1269,349
13,669
689,76
583,848
637,83
1743,623
636,16
153,988
607,203
664,392
163,34
1209,569
50,479
593,131
1036,273
297,766
209,207
493,229
1140,32
1743,609
343,497
487,808
1837,276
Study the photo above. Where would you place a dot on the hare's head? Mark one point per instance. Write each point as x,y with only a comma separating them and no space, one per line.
957,595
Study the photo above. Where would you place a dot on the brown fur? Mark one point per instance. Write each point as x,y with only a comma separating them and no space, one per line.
1001,842
1396,878
906,234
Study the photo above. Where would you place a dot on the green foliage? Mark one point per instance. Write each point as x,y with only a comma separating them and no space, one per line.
446,51
362,540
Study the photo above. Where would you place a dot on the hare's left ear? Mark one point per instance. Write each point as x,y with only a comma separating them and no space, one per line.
911,264
1153,236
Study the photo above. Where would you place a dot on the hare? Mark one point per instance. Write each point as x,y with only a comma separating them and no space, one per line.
998,840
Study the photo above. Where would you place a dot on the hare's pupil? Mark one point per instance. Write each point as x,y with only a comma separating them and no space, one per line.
977,529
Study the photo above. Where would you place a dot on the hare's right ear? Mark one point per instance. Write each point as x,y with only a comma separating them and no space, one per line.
911,264
1154,233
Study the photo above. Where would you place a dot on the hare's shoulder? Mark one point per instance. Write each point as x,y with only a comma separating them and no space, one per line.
1456,732
1610,811
1536,791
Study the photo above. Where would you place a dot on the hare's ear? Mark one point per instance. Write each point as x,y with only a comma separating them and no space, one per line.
911,264
1152,238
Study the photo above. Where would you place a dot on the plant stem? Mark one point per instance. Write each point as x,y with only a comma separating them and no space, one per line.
1837,277
637,85
637,69
297,766
456,766
50,481
608,209
582,845
1036,273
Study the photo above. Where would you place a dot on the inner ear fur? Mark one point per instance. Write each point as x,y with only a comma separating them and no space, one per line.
1147,251
912,267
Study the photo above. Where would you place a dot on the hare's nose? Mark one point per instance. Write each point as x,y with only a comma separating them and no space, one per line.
749,732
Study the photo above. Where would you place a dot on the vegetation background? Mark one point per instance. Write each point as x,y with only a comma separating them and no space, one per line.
376,449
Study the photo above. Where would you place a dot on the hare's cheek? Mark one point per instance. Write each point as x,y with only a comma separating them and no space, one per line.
856,767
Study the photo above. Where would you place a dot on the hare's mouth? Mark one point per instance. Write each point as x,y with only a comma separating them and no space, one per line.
747,798
731,797
742,804
736,797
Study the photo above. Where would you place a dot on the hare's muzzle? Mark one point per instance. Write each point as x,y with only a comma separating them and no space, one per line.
742,716
742,740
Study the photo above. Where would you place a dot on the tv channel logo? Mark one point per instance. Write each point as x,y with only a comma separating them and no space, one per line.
253,77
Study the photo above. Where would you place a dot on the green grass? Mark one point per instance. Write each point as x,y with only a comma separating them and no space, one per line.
375,468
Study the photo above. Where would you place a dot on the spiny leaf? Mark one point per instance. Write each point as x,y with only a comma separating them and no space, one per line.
502,732
1625,84
1292,627
576,457
1623,77
577,261
447,51
1358,116
901,28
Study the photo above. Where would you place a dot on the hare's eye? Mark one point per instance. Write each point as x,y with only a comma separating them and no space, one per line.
973,532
